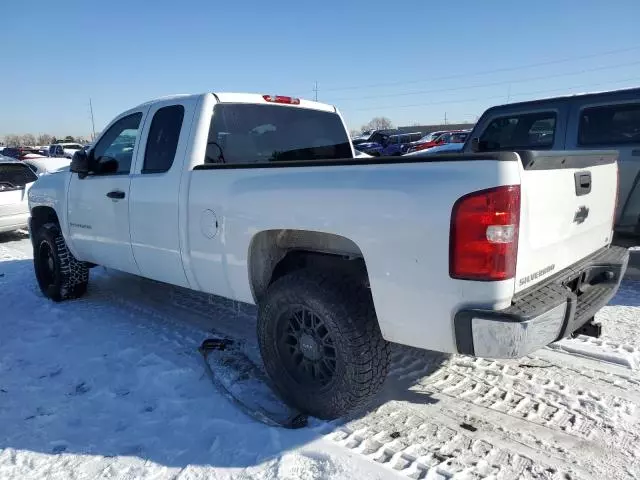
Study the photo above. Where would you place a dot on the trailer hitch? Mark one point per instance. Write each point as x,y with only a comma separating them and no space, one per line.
590,329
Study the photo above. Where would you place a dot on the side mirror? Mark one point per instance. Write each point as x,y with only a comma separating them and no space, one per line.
80,164
475,144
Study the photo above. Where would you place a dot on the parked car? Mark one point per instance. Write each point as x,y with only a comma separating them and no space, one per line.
19,153
389,145
259,199
45,165
444,148
16,179
455,136
65,150
605,120
429,137
363,137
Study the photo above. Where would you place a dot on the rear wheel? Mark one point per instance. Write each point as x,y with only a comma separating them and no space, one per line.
59,274
321,343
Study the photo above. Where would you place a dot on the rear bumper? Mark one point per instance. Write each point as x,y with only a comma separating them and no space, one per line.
545,313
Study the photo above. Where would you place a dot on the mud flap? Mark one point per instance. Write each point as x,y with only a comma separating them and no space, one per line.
245,385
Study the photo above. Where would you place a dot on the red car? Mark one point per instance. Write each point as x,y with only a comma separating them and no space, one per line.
438,138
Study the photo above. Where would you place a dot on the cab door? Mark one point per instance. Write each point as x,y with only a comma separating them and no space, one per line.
155,191
98,215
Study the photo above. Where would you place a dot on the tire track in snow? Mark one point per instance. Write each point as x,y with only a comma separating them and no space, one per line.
511,404
430,445
538,409
599,349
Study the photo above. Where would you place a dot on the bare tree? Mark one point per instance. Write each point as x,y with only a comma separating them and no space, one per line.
378,123
44,139
28,140
12,140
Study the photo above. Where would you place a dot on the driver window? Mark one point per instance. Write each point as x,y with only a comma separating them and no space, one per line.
114,151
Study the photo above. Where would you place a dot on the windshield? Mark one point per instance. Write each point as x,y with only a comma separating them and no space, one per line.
249,133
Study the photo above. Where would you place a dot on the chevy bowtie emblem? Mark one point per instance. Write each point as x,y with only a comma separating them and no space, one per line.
581,215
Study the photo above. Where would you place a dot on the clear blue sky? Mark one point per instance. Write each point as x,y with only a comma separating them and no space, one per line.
369,58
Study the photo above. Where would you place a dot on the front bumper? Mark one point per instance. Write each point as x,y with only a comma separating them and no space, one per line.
544,313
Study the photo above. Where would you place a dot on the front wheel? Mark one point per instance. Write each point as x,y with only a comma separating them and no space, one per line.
60,275
321,344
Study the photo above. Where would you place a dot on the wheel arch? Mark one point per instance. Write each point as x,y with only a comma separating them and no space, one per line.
41,215
273,253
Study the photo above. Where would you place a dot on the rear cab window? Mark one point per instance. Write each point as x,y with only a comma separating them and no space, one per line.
255,134
162,141
527,131
610,125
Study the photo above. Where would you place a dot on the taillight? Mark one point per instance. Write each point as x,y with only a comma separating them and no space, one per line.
484,234
281,99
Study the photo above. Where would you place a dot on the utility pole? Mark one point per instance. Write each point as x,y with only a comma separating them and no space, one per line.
315,89
509,94
93,125
445,118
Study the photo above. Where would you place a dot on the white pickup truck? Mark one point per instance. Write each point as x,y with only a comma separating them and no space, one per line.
259,199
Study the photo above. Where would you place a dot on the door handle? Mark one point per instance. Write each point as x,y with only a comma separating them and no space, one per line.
582,182
116,194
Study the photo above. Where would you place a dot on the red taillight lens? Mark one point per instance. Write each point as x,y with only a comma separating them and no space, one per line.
281,99
484,234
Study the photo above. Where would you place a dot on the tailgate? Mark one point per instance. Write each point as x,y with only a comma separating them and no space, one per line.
567,207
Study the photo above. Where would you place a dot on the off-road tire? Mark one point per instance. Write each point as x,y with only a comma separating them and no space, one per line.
69,277
362,355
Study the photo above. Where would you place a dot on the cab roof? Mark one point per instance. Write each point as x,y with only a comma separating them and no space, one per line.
254,98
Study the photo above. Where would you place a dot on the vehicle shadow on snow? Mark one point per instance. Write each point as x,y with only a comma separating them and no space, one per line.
14,236
115,376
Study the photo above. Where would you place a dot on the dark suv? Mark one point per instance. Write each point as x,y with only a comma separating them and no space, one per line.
603,121
389,145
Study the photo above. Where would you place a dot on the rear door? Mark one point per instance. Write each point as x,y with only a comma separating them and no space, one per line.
567,198
613,123
155,191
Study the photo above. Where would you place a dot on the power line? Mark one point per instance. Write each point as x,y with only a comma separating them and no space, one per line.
494,97
486,72
491,84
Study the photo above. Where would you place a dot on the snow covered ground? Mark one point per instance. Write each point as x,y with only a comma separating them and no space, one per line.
111,386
